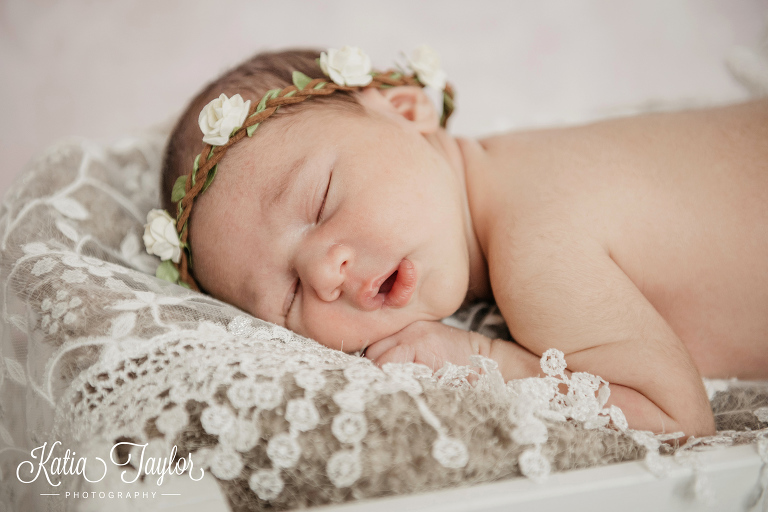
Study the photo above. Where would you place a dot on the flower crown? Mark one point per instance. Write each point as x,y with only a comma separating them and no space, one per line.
225,121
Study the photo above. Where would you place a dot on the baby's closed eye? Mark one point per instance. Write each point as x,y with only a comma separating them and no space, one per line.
325,198
291,297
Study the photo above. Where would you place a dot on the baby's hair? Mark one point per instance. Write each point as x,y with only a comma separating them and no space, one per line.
251,79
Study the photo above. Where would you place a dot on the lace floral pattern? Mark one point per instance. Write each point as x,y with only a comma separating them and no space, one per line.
96,349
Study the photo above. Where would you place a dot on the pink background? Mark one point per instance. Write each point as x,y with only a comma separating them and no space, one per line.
108,69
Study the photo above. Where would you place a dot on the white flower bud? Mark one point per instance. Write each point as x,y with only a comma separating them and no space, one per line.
425,62
348,66
160,237
221,117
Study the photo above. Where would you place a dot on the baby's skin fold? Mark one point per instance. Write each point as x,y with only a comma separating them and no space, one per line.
636,246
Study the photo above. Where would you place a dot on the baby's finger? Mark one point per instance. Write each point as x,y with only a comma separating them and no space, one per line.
397,354
377,348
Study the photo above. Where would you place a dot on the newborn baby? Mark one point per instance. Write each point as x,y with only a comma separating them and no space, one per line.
637,246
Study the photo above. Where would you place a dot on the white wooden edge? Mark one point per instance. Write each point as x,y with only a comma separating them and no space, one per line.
731,473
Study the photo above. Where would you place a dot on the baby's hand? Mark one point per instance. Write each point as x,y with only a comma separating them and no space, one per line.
429,343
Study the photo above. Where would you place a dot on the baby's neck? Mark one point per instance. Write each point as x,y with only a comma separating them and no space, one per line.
479,282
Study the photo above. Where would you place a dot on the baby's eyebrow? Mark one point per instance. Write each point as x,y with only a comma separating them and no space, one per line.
284,182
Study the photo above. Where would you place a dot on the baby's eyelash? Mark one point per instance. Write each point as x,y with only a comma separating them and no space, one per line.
293,297
325,197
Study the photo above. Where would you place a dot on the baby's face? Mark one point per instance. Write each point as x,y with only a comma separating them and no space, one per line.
343,227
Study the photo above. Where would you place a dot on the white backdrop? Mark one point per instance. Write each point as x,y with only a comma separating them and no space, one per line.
106,69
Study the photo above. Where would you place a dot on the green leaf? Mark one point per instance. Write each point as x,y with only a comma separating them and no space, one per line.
447,101
300,80
197,163
292,93
209,178
210,154
167,271
320,85
396,76
252,129
268,96
179,188
185,285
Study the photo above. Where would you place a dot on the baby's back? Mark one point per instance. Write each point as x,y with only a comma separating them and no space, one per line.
680,203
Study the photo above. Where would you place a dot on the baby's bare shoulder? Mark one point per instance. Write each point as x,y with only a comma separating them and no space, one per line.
637,202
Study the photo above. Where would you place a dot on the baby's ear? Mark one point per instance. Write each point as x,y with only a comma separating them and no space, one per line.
409,103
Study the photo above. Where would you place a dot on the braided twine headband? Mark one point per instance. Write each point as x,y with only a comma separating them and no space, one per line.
175,266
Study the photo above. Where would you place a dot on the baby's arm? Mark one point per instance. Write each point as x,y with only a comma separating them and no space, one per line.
582,303
569,294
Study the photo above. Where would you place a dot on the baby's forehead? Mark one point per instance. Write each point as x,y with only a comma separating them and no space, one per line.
264,167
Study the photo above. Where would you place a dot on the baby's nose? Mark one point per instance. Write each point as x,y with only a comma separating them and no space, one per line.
328,272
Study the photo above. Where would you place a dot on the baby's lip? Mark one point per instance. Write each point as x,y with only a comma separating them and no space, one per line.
400,293
402,290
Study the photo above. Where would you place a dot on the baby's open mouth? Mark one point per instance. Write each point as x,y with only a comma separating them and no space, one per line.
386,286
395,291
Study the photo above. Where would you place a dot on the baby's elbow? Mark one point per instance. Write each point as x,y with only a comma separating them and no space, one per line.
704,426
699,424
691,417
702,419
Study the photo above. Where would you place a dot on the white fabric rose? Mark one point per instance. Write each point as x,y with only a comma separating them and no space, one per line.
160,236
348,66
221,117
425,62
